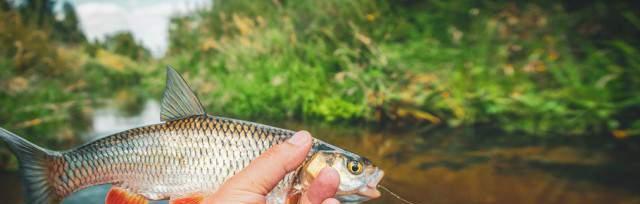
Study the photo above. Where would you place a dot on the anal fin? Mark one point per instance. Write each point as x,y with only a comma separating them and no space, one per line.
190,199
119,195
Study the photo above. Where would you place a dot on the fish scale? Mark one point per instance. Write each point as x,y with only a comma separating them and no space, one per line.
180,157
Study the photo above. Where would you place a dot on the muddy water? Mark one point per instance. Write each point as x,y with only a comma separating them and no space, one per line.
425,168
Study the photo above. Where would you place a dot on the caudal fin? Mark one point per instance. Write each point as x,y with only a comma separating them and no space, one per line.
33,168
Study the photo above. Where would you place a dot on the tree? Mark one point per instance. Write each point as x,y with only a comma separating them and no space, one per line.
38,12
68,29
124,43
4,5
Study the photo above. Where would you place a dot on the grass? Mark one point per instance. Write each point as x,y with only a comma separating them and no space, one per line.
509,65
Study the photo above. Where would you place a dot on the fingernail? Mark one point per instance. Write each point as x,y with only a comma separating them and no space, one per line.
300,138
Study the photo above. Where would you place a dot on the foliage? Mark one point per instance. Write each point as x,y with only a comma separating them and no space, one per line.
47,84
520,67
554,69
121,43
68,29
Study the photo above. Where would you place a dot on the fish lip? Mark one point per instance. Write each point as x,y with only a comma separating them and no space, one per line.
377,177
370,190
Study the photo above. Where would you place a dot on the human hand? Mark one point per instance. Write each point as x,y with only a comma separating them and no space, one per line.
252,184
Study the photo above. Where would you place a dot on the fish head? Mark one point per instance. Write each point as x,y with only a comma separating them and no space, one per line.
359,178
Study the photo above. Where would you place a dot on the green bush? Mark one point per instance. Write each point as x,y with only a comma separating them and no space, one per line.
515,66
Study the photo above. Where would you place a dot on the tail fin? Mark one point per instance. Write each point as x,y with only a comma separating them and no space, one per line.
33,168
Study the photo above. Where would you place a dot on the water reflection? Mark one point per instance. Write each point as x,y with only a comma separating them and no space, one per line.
111,119
424,168
449,173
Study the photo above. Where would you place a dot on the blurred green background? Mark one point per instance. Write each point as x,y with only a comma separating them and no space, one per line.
458,76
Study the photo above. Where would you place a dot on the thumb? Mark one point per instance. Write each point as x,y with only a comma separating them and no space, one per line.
323,188
264,172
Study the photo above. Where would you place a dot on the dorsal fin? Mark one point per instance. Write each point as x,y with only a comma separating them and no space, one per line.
178,100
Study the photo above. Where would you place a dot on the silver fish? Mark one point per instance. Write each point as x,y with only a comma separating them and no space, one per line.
189,153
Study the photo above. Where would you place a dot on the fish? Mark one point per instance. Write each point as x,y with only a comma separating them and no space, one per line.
189,154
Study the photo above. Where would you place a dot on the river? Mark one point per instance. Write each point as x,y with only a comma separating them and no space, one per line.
429,166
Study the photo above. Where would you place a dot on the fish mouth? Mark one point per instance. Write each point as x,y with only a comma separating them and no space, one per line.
370,190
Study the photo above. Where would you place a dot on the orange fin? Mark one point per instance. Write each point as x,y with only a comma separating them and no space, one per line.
293,198
191,199
119,195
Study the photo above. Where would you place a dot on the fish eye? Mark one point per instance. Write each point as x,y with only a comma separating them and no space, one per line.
355,167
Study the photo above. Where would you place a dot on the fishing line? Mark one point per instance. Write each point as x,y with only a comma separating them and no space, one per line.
396,195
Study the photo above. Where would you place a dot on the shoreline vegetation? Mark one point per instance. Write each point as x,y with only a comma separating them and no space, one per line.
543,70
547,71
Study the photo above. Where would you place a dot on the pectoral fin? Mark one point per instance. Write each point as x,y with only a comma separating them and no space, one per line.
191,199
119,195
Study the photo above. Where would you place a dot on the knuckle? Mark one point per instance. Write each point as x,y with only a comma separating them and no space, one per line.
277,157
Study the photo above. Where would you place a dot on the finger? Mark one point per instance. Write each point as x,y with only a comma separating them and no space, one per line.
323,188
264,172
